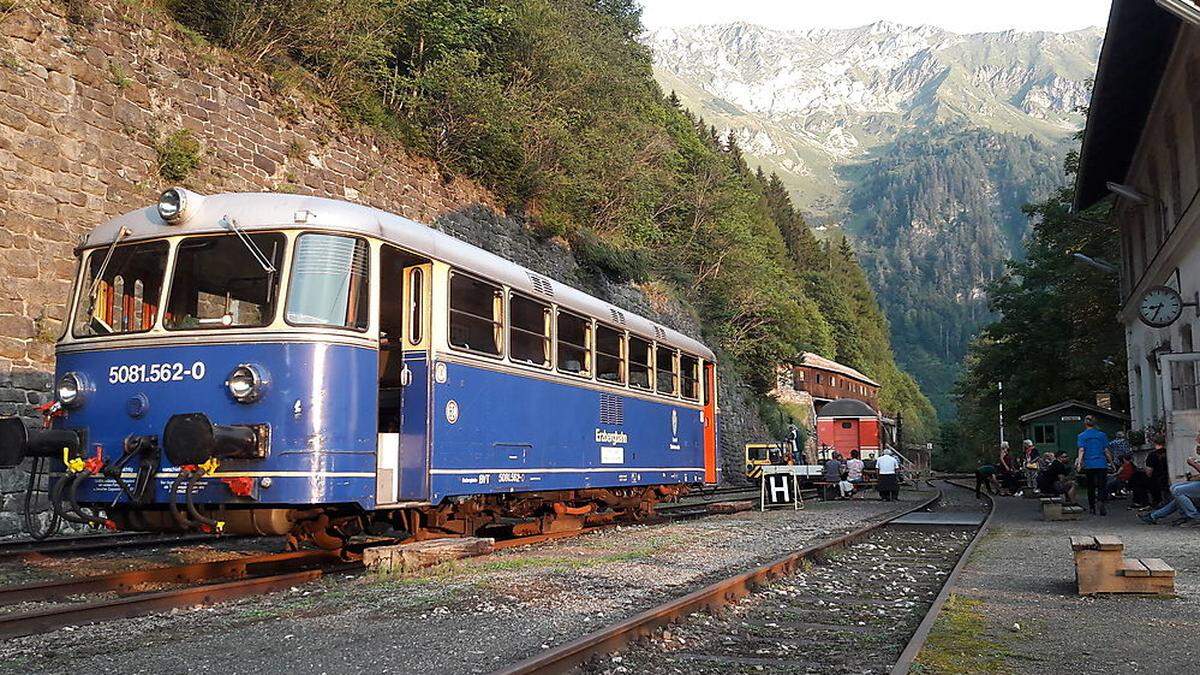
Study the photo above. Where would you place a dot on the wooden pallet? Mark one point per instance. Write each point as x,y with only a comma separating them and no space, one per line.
1101,567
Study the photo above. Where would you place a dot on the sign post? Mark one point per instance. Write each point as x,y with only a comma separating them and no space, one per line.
781,486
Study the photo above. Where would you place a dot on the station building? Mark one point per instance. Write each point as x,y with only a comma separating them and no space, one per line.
1141,148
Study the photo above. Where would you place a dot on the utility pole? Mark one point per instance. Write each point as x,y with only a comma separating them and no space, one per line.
1000,388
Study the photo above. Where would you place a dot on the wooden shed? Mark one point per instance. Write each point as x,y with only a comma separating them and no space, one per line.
1054,428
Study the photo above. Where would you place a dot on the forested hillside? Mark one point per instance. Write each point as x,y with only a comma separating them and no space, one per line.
1054,337
938,213
553,105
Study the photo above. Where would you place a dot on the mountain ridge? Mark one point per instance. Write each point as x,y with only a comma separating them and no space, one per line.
918,142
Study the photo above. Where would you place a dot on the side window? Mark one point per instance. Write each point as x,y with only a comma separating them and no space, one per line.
640,363
329,280
574,344
665,367
528,331
416,311
689,377
476,311
610,360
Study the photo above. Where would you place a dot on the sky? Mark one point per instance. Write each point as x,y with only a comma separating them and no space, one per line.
964,16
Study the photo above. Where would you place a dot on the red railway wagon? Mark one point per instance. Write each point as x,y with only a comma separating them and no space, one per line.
850,424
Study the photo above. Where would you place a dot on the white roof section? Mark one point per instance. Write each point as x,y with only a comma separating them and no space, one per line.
207,214
818,361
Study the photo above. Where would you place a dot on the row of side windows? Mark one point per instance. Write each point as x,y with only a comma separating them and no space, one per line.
544,336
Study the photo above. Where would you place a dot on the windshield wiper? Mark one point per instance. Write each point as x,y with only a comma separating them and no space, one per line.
112,248
255,251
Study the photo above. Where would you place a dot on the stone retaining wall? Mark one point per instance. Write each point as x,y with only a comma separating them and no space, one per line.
85,111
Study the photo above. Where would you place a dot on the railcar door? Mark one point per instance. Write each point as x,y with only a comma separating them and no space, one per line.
710,423
401,459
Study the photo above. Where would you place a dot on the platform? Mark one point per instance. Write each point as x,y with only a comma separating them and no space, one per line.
949,518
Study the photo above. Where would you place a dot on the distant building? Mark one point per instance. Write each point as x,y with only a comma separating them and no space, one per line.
1055,427
1142,143
826,380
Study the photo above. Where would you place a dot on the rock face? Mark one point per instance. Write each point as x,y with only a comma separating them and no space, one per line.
816,99
84,113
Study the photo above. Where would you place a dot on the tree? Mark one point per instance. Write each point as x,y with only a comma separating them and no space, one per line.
1056,337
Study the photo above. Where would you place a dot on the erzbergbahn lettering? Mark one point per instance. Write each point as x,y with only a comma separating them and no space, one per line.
282,364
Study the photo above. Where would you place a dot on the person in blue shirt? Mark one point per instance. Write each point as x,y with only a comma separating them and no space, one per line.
1092,462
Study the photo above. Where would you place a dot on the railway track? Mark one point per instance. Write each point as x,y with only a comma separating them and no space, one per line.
44,606
862,602
140,591
94,543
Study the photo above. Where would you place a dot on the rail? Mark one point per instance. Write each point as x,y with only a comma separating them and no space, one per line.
722,593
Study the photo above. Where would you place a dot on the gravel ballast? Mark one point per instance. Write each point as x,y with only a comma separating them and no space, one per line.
470,616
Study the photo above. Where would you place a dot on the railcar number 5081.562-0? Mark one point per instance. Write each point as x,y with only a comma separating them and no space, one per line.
282,364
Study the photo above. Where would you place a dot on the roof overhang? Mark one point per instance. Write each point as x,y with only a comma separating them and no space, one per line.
1137,44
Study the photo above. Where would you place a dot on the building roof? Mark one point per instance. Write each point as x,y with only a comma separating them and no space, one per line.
268,211
1072,403
1137,44
817,361
847,407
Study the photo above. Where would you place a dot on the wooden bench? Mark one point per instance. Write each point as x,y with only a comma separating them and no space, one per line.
1053,508
1101,567
829,491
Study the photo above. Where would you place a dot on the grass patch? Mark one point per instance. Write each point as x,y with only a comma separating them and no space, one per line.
119,76
959,642
178,155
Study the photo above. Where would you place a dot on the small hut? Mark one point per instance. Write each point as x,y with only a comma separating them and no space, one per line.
1054,428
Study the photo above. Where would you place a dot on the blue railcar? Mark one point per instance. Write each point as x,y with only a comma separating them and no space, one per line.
283,364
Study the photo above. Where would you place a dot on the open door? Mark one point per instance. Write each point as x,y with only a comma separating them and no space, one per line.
1181,410
710,422
401,456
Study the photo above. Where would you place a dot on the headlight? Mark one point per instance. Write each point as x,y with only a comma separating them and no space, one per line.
175,204
70,390
245,384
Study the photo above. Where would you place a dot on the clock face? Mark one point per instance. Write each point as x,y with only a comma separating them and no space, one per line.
1160,306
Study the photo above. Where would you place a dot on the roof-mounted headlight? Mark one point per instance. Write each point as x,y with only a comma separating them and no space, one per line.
175,204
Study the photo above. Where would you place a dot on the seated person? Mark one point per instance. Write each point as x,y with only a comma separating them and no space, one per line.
1183,496
1054,480
845,488
854,467
833,469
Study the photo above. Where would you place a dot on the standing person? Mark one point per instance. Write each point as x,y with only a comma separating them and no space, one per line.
1156,471
985,476
1004,469
1030,464
1093,461
889,482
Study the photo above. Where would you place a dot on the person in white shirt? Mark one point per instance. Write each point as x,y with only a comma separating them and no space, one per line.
854,467
889,483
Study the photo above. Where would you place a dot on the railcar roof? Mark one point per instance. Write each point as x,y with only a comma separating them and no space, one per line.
262,211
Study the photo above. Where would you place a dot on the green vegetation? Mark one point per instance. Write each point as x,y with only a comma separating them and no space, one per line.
119,75
938,212
1055,338
553,106
959,642
178,155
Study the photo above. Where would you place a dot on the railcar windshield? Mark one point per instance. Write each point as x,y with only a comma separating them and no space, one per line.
121,288
220,282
